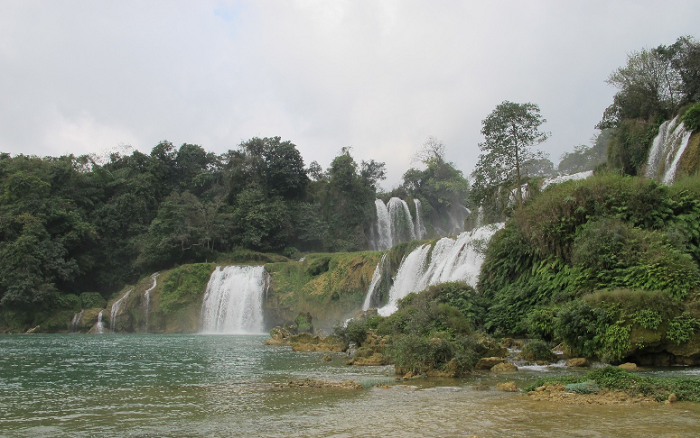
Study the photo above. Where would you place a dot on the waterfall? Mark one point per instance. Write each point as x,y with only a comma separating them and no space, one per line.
75,322
233,300
420,228
147,296
99,327
383,227
402,228
666,151
115,310
376,278
457,259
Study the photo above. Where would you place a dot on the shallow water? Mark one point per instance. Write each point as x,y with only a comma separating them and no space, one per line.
211,386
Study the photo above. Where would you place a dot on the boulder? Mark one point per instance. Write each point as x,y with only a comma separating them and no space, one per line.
487,363
507,387
577,362
629,366
505,367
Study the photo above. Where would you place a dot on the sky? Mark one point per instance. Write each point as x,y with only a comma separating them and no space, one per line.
379,76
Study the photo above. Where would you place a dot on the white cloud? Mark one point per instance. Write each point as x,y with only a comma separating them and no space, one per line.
379,76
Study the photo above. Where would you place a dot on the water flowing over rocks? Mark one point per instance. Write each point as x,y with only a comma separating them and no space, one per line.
457,259
233,300
666,151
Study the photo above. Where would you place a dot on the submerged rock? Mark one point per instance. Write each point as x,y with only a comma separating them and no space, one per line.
577,362
505,367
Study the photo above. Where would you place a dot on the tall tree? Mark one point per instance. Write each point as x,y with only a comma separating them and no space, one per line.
510,131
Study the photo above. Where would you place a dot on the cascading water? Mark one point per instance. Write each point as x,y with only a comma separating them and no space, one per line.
420,228
402,228
376,278
666,151
450,260
75,322
147,297
99,327
114,312
233,300
383,238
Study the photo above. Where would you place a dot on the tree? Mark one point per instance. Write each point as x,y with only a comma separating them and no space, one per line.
510,131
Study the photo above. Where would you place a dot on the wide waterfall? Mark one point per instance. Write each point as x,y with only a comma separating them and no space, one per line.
395,224
233,300
457,259
666,151
116,307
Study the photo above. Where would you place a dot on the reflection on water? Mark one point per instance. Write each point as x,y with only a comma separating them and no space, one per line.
160,385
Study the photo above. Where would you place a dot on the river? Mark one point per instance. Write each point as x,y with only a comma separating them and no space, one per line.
228,386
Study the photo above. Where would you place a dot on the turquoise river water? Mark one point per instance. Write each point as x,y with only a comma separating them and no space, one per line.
224,386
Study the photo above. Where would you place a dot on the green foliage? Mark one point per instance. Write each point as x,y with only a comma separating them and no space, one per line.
681,328
691,118
649,319
68,301
509,132
183,286
587,387
538,350
304,323
91,300
585,158
539,323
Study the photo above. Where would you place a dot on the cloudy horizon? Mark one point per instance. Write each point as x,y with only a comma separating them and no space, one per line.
379,76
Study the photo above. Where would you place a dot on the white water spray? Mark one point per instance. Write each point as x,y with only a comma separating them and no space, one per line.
233,300
450,260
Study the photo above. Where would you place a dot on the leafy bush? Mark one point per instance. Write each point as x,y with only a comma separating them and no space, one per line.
681,328
538,350
304,323
68,301
691,118
420,355
92,299
582,327
539,323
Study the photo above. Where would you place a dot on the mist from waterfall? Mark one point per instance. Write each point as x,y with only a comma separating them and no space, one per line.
233,300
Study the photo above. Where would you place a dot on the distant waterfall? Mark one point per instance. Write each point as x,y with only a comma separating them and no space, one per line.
666,151
75,322
420,228
394,224
449,260
147,297
114,312
233,300
376,278
99,327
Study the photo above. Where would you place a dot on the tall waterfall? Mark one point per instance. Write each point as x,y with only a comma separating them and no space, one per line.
394,224
376,278
147,297
233,300
114,312
666,151
449,260
420,228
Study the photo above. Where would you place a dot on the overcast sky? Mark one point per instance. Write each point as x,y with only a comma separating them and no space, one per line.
379,76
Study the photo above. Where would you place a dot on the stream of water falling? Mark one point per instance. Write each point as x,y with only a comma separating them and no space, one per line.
374,283
457,259
233,300
667,150
114,312
147,296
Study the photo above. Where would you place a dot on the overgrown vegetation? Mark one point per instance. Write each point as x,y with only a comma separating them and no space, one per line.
615,379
